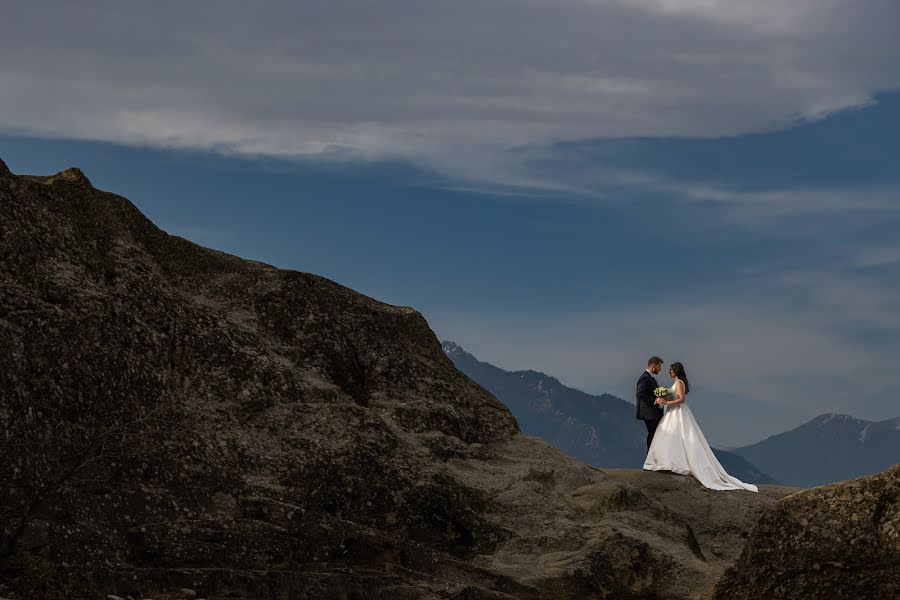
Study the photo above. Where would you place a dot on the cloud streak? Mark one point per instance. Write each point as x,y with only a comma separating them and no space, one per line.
430,82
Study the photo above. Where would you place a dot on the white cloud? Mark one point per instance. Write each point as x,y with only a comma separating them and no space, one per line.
434,82
770,210
879,254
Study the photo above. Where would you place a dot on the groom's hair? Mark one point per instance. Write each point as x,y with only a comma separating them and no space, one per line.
654,360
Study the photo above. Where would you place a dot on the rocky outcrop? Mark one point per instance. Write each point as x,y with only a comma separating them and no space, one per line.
582,532
175,417
836,541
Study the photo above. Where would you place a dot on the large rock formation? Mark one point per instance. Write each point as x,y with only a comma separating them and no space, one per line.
837,541
175,417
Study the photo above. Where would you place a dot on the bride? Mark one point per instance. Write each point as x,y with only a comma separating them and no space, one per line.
679,444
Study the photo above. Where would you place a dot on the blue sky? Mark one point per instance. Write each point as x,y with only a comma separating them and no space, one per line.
725,195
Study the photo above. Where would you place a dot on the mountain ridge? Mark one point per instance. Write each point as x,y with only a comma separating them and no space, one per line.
854,447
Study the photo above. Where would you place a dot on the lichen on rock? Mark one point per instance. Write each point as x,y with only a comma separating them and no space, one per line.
835,541
176,417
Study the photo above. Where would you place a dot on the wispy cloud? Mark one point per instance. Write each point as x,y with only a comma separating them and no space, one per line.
433,82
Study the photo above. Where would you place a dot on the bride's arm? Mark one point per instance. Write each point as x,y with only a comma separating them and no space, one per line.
679,394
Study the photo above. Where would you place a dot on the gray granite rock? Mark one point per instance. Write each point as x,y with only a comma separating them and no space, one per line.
176,417
836,541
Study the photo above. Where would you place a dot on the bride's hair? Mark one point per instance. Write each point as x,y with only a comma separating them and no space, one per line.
678,369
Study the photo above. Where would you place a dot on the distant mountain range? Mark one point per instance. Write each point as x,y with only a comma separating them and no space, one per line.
600,430
827,449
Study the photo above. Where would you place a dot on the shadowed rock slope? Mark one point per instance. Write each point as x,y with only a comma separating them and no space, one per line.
175,417
837,541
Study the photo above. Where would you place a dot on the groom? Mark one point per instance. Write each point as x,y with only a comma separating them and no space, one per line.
647,409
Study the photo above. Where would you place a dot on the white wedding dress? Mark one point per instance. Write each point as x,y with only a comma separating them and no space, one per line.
679,446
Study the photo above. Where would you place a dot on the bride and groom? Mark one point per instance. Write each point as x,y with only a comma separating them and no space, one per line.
674,440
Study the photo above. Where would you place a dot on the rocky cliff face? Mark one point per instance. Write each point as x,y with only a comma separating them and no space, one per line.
159,397
175,417
836,541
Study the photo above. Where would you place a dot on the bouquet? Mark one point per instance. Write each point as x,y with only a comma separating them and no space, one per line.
662,392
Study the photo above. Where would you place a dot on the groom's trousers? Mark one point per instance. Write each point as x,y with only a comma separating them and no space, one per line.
651,429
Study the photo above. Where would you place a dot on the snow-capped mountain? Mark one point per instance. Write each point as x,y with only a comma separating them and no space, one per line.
600,430
829,448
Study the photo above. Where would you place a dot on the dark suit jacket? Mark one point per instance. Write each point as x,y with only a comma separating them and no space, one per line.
646,409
